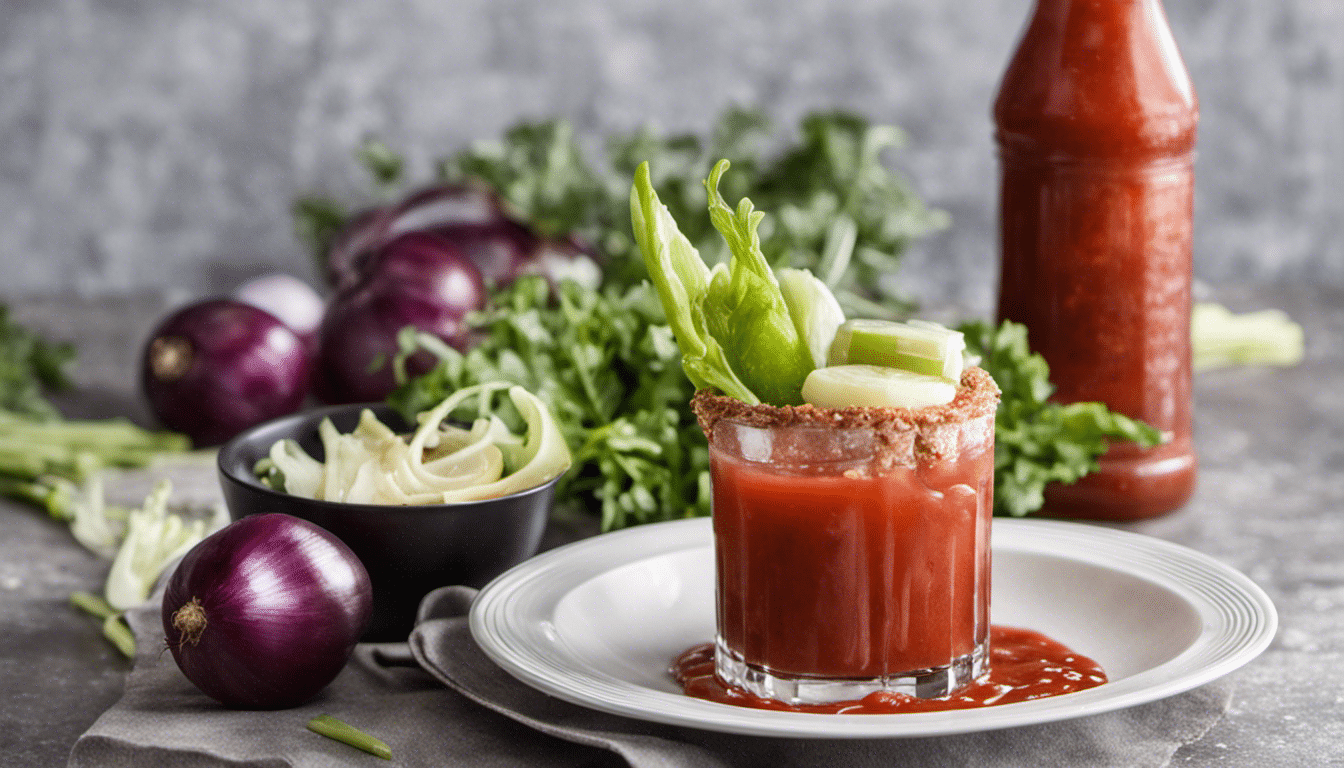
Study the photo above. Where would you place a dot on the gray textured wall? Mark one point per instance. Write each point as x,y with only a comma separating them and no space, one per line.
155,143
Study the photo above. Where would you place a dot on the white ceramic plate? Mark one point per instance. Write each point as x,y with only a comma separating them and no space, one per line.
598,622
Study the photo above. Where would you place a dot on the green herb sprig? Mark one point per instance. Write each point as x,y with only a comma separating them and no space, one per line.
30,365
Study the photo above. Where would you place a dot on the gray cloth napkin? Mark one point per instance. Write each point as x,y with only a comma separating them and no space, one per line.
163,720
487,718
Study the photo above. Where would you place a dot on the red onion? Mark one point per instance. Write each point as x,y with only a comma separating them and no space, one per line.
444,205
362,233
420,280
215,368
501,250
427,209
265,613
471,219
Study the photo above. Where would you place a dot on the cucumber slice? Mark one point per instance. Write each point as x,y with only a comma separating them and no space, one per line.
840,386
918,346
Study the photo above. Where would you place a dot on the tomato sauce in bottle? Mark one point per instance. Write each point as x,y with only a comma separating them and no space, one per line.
1096,120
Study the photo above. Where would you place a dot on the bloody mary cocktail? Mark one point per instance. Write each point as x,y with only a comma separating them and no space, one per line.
852,545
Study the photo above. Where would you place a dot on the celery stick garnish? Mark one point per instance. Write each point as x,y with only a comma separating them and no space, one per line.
682,280
816,312
732,323
1220,338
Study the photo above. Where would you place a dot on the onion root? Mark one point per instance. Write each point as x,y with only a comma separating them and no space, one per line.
190,621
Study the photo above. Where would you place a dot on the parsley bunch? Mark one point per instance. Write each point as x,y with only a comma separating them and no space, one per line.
837,208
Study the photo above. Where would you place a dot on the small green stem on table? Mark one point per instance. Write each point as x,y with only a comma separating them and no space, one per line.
328,726
116,631
114,628
92,604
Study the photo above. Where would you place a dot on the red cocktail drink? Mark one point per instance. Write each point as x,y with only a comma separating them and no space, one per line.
852,545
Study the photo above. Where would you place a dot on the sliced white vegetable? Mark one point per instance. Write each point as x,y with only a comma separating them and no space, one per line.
841,386
918,346
815,311
91,526
542,456
154,539
303,474
363,486
440,463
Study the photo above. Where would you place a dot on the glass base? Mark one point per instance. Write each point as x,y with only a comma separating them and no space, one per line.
931,683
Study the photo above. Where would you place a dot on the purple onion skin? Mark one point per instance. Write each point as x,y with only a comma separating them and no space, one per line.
361,234
284,602
502,250
435,207
421,280
217,367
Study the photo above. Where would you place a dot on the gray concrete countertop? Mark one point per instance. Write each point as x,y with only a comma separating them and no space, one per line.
1270,503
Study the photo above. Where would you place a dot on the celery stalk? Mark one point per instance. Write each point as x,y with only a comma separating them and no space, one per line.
682,281
732,323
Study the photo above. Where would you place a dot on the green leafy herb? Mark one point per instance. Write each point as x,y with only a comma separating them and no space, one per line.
841,211
607,366
1037,441
317,221
29,365
382,162
540,171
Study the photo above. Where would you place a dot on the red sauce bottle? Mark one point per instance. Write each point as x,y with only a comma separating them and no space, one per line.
1096,122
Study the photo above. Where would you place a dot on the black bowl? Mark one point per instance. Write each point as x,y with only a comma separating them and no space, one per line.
408,550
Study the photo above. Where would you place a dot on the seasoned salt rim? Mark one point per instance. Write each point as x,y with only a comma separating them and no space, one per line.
977,396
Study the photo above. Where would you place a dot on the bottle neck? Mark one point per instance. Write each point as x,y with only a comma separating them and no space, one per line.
1097,78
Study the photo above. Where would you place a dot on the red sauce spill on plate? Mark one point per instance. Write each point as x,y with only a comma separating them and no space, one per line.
1023,665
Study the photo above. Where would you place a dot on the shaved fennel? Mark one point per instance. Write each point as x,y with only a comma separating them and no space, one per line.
439,463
